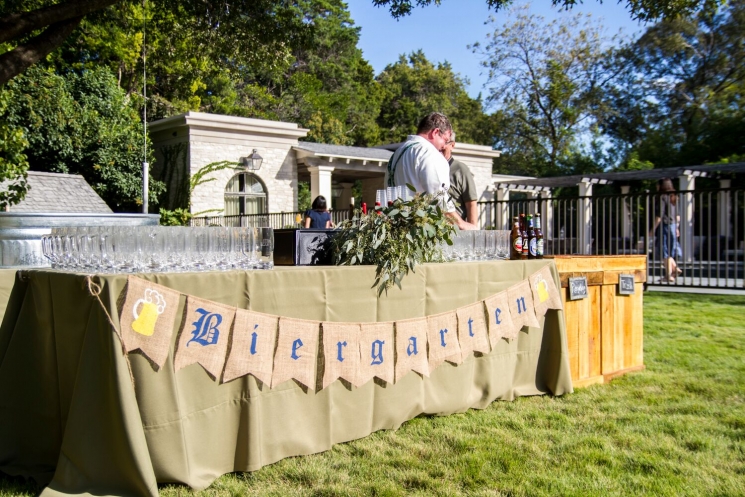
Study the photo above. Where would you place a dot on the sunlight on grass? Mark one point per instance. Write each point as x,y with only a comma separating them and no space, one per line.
677,428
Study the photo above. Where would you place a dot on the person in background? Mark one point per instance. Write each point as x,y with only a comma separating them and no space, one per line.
665,228
318,216
462,186
420,163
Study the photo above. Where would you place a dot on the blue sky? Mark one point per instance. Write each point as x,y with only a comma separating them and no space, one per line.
444,32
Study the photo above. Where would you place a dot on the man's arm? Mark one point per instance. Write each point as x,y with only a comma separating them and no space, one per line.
472,212
459,222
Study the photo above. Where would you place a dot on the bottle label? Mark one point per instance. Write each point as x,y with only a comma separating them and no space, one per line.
518,243
539,247
532,247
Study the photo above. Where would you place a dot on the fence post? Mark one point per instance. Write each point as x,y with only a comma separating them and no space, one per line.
547,215
626,214
503,208
584,218
687,184
724,208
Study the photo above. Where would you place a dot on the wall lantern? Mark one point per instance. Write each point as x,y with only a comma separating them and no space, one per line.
253,161
336,190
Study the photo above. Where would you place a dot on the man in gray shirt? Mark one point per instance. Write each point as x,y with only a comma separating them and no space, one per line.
462,186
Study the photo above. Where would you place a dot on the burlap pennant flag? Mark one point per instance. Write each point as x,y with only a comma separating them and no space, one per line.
520,298
205,333
499,319
411,347
442,335
252,346
376,352
472,334
297,352
148,317
545,294
341,352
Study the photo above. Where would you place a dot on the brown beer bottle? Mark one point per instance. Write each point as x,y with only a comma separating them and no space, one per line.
538,237
524,234
516,240
531,238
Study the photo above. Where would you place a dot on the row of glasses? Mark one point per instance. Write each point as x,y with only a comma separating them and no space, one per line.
478,245
136,249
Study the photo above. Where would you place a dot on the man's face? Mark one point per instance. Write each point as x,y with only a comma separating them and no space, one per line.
447,150
440,139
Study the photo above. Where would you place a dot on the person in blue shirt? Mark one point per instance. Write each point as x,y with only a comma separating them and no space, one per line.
318,215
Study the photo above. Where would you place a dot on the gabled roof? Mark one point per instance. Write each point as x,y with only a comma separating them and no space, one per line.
55,192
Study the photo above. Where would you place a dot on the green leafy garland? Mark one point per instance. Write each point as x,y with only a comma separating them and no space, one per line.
395,238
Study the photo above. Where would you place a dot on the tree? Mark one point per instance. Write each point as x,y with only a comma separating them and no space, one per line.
546,81
13,162
413,87
680,100
81,123
641,10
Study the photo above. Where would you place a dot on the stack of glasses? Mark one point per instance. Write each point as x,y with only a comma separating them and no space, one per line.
140,249
387,196
478,245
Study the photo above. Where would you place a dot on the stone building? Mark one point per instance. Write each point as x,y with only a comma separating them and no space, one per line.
186,143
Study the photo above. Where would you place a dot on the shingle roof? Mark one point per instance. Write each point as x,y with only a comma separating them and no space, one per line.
345,151
54,192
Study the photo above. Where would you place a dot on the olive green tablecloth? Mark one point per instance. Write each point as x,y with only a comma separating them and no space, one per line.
71,417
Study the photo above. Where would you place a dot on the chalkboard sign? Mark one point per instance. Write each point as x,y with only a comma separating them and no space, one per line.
578,288
625,284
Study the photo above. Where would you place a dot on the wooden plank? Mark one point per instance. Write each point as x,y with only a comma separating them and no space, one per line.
586,382
611,277
637,343
577,263
594,278
618,327
584,321
621,372
570,320
594,332
628,329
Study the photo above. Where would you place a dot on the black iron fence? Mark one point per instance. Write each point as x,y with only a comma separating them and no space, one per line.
691,238
702,231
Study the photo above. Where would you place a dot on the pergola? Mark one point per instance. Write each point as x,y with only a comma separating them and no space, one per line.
686,185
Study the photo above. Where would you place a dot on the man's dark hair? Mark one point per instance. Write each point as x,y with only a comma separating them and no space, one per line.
435,120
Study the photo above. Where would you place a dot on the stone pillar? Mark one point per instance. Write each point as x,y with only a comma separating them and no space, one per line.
686,185
626,214
724,204
503,209
584,219
547,216
320,182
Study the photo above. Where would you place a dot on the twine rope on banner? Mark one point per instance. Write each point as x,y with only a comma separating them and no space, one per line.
95,291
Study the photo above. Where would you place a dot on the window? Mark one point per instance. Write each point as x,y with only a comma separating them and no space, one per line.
245,194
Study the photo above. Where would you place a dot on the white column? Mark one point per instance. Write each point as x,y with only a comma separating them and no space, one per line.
320,182
584,218
724,204
547,216
346,197
626,214
687,183
503,209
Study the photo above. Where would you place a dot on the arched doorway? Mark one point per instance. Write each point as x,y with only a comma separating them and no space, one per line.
245,194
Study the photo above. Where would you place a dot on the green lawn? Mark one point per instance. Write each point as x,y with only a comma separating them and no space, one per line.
677,428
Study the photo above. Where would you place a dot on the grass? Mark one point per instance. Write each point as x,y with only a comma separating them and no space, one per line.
677,428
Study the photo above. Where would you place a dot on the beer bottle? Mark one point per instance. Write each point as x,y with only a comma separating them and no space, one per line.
516,240
538,237
531,238
524,234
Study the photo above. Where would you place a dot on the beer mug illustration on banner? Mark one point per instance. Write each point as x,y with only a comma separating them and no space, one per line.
153,304
542,287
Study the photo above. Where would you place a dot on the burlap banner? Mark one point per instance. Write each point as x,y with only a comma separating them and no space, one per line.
205,334
341,352
376,352
411,347
499,318
297,352
442,335
472,333
520,298
252,348
147,319
545,294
